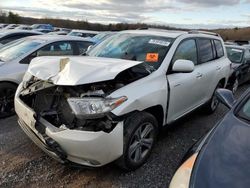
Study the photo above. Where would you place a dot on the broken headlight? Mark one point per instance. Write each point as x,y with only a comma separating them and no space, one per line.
93,107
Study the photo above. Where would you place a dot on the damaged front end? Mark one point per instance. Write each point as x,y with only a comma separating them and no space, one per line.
71,118
85,108
73,124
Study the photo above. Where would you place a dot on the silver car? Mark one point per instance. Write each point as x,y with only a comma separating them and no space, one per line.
16,56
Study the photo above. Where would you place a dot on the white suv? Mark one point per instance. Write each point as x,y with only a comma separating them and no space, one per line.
110,105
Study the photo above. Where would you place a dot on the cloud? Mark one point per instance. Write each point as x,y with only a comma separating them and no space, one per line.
211,3
114,11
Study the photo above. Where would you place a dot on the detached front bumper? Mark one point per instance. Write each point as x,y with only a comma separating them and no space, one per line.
92,149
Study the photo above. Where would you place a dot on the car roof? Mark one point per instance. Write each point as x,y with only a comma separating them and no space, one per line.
158,32
48,38
85,31
172,33
238,47
16,31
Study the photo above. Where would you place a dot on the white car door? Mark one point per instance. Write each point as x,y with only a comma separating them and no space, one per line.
184,88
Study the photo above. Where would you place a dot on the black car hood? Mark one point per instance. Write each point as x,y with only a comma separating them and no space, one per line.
224,162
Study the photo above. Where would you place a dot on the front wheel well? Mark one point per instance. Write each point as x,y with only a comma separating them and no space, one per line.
9,82
222,82
157,112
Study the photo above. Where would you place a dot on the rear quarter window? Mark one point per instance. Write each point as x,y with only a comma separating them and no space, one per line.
205,50
219,48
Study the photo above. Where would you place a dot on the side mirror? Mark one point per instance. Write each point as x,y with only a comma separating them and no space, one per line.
226,97
89,48
183,66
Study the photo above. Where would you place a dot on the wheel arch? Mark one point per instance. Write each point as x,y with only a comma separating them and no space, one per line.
9,82
158,112
222,82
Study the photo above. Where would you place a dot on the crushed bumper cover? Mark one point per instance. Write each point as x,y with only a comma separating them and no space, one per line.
91,149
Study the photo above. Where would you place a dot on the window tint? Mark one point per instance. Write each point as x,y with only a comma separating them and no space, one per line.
206,51
57,48
219,48
187,50
83,46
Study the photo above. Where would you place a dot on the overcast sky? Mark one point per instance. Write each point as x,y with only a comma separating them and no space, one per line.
180,13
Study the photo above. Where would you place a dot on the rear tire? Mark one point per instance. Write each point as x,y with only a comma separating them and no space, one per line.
235,85
140,133
7,94
213,103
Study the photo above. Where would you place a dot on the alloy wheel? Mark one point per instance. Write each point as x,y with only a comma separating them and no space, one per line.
141,142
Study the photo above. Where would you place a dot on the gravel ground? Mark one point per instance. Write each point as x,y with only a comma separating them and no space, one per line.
22,164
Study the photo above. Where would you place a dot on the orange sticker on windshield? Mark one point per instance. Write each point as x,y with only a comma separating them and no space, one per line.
152,57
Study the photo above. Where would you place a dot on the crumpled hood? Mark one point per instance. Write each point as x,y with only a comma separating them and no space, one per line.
78,70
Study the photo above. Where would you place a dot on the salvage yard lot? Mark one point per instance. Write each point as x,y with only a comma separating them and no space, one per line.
22,164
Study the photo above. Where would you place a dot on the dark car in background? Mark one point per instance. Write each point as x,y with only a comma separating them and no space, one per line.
11,35
222,158
240,69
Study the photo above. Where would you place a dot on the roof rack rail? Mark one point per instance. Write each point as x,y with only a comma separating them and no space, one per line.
203,32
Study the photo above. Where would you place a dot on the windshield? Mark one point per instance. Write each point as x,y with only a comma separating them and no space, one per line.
16,49
145,48
235,54
100,36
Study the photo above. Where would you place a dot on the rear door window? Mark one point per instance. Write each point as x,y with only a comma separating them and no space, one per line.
56,49
219,48
205,50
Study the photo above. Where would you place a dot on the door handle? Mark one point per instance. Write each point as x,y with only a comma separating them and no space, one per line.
218,68
199,75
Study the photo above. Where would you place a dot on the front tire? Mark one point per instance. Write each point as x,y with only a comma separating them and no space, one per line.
140,133
7,94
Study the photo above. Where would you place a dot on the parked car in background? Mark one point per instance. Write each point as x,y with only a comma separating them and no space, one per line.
59,29
2,26
102,36
230,43
12,35
16,56
83,33
24,27
58,33
240,69
11,26
110,104
221,158
242,42
44,28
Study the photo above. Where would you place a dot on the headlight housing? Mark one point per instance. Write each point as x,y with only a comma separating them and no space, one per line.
182,177
94,107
